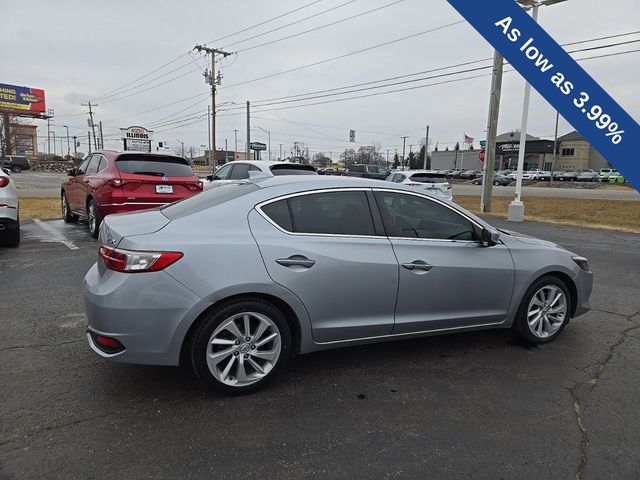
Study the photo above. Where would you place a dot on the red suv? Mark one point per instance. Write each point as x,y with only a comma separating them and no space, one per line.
118,182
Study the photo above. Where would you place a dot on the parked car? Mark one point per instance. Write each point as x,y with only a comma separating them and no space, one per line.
117,182
565,176
588,176
248,286
239,170
367,171
16,163
429,181
454,173
498,179
9,214
504,172
615,177
470,174
606,172
541,175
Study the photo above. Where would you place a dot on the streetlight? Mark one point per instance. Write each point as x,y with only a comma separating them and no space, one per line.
269,136
516,207
68,145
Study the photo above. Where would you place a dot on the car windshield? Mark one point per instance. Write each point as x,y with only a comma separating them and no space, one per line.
292,169
154,165
427,178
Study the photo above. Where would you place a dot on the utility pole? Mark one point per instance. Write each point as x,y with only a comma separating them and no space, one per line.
49,136
426,149
248,148
269,134
555,149
54,143
89,140
226,151
213,81
75,145
280,158
92,125
235,138
209,127
62,147
404,142
68,145
492,127
101,136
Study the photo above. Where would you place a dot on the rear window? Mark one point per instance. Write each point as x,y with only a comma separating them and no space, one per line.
206,199
428,178
292,169
154,165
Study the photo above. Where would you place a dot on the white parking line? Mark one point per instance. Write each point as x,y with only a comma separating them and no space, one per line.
57,234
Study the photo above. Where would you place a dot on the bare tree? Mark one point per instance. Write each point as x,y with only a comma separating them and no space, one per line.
321,159
348,157
369,154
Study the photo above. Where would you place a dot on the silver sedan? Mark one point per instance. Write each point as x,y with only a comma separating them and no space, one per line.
239,278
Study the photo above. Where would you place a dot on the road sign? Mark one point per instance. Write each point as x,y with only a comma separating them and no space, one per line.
483,143
481,155
352,136
258,146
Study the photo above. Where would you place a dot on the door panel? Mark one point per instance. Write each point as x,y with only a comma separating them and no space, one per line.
461,284
347,284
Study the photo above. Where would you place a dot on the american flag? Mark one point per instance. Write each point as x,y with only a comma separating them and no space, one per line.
467,139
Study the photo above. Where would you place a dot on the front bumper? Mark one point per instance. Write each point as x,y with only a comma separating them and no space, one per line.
584,286
146,312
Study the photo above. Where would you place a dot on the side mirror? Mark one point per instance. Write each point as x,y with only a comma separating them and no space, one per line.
489,238
71,172
6,170
210,177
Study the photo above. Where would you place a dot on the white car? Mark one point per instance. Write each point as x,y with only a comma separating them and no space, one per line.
531,175
9,219
430,181
239,170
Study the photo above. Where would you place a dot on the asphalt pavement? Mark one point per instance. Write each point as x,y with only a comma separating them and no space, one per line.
476,405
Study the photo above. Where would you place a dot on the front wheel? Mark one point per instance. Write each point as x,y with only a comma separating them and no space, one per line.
240,347
544,311
93,218
477,182
12,237
17,169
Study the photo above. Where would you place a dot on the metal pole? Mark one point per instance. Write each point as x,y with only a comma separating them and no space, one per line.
226,151
49,136
101,136
492,131
404,142
426,149
248,147
555,149
280,158
209,131
89,140
75,145
269,135
235,149
54,143
516,207
68,144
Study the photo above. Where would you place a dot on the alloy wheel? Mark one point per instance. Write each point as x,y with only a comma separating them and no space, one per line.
91,217
547,311
64,206
243,349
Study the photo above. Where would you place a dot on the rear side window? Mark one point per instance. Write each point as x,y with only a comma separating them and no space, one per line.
337,213
153,165
240,171
206,199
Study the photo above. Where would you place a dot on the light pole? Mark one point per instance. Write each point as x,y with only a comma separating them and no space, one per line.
516,207
68,144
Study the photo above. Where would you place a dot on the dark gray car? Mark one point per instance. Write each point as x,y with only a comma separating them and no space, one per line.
237,279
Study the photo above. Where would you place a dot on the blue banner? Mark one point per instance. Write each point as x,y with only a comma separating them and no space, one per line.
559,79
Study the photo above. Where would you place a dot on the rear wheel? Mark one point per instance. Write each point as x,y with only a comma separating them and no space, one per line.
496,183
544,311
240,347
67,216
93,218
477,182
17,169
12,237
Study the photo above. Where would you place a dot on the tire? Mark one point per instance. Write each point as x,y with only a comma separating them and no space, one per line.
476,182
544,331
496,183
17,169
222,372
93,218
67,216
12,237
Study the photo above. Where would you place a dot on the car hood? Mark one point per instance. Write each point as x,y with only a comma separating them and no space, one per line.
530,240
115,227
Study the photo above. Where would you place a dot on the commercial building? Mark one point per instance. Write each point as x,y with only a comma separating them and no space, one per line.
575,153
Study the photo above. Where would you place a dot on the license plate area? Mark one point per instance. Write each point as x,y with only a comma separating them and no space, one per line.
164,188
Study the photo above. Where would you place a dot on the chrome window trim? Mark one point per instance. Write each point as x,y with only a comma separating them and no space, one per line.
259,206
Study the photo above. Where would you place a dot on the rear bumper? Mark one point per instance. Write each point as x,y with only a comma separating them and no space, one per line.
143,311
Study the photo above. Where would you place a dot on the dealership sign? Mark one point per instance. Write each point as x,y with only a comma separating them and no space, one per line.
258,146
25,99
137,139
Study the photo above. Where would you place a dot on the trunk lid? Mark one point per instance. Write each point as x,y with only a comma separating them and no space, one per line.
115,227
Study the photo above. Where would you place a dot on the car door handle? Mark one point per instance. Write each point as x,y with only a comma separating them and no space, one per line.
296,261
418,265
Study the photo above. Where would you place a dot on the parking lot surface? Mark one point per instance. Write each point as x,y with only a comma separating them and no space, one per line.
476,405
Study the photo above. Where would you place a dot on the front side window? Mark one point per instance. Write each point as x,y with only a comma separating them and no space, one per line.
83,166
93,165
336,213
223,172
411,216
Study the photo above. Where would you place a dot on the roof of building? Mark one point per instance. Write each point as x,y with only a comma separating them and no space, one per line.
513,137
571,137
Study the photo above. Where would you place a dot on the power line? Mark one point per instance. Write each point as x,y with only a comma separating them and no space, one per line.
347,54
264,22
293,23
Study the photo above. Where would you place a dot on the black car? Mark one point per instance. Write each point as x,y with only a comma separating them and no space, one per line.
470,174
497,180
16,163
367,171
588,176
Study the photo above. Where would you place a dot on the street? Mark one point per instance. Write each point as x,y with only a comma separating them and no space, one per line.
475,405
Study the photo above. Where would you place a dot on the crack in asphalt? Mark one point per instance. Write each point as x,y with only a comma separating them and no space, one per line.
593,382
41,345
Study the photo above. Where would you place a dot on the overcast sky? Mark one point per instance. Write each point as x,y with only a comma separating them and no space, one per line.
82,51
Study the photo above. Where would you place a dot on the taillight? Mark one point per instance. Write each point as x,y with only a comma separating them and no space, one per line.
133,261
116,182
4,181
195,186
